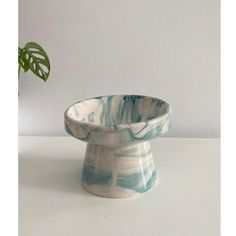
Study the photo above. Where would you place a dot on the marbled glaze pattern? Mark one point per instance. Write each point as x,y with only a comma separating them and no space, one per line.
114,120
118,160
119,171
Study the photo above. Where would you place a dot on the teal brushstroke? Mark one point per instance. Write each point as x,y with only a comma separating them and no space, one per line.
132,154
93,176
135,181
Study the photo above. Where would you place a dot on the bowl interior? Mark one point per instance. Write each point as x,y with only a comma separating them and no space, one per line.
117,110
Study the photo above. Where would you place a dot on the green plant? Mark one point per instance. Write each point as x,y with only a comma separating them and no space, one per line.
33,57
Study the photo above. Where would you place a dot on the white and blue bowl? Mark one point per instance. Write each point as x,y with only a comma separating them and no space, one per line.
118,160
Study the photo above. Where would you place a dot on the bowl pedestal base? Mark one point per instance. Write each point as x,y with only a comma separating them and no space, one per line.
118,172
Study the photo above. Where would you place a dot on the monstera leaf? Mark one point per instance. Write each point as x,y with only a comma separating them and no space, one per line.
21,61
33,57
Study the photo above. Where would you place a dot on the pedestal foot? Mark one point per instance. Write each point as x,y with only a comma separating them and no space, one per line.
118,172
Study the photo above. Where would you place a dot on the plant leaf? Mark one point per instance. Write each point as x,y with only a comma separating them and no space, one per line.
37,60
23,63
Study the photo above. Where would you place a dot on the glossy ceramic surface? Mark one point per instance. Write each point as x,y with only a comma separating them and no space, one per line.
118,161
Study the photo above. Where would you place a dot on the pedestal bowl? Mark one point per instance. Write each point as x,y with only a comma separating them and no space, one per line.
118,160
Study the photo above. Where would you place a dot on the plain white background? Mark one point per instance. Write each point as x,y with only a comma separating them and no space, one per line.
167,49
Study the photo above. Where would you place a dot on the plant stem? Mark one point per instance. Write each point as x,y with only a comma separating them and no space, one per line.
19,71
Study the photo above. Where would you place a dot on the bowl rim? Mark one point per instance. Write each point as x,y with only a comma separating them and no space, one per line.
121,126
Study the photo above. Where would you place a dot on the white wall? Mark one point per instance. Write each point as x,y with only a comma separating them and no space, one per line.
164,48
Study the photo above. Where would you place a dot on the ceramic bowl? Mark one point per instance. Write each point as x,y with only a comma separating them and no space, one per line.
118,161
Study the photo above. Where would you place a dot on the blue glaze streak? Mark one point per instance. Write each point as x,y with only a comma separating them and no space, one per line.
135,181
93,176
131,153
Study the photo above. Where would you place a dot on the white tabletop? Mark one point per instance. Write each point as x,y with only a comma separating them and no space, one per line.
185,201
